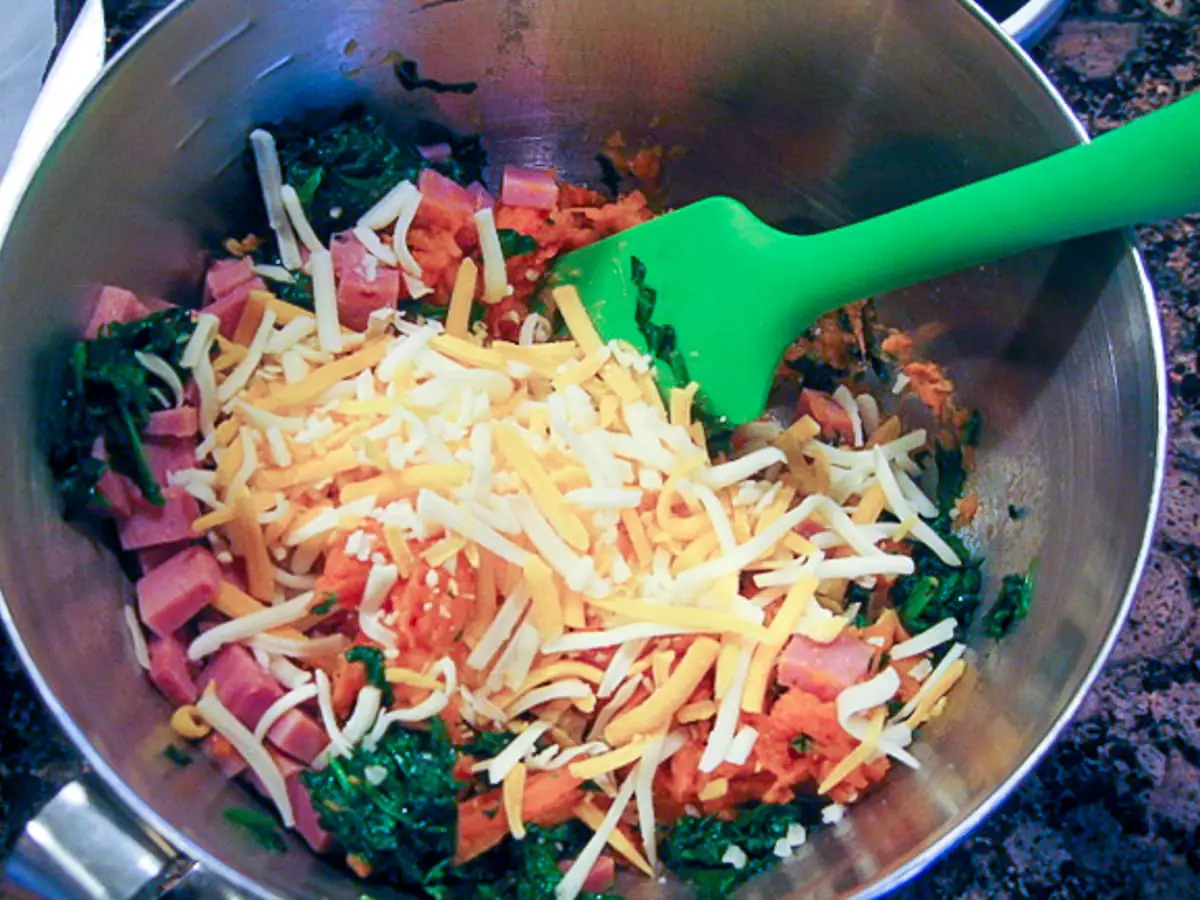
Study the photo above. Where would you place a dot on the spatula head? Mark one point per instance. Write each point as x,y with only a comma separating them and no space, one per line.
696,289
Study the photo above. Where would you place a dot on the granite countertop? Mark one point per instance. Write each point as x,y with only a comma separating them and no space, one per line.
1114,809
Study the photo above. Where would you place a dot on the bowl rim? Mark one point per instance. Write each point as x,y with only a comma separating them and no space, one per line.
891,880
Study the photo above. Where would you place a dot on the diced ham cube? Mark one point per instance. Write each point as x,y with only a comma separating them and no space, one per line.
363,285
436,153
225,275
114,305
119,492
828,413
307,824
602,876
483,199
150,526
445,204
171,595
307,821
169,454
180,422
169,671
533,188
153,557
226,288
299,736
223,756
824,670
243,686
230,307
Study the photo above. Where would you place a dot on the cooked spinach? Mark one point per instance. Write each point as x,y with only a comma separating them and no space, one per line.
610,178
486,744
693,846
936,591
372,660
328,602
409,76
404,826
342,170
971,429
513,243
259,826
522,870
108,395
298,292
177,757
952,482
817,374
1012,605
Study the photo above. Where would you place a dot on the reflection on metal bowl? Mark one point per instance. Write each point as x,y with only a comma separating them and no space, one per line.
812,113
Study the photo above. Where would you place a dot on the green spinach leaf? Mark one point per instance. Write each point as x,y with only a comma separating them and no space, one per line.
259,826
693,847
372,659
109,395
1012,605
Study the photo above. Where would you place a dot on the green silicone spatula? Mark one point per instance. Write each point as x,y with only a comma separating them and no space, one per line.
737,292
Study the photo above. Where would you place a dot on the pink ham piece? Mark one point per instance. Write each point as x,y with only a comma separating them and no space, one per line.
532,188
824,670
436,153
171,595
226,288
222,755
153,557
299,736
481,197
243,686
444,202
307,824
114,305
169,671
166,455
180,422
362,286
150,526
828,413
118,491
602,876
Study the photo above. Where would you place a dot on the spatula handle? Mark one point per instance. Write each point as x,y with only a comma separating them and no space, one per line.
1145,171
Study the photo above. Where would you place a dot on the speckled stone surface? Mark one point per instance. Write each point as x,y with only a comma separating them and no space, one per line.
1114,810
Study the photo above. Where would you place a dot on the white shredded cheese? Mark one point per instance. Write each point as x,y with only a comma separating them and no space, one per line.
282,706
240,376
716,751
295,212
581,867
203,335
325,305
160,368
227,725
270,179
495,275
925,641
141,652
247,626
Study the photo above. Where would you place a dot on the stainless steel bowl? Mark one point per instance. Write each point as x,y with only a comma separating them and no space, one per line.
814,114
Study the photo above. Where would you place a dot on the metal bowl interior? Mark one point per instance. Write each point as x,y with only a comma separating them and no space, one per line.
813,114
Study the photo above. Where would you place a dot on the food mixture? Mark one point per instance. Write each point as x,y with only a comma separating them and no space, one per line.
466,597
